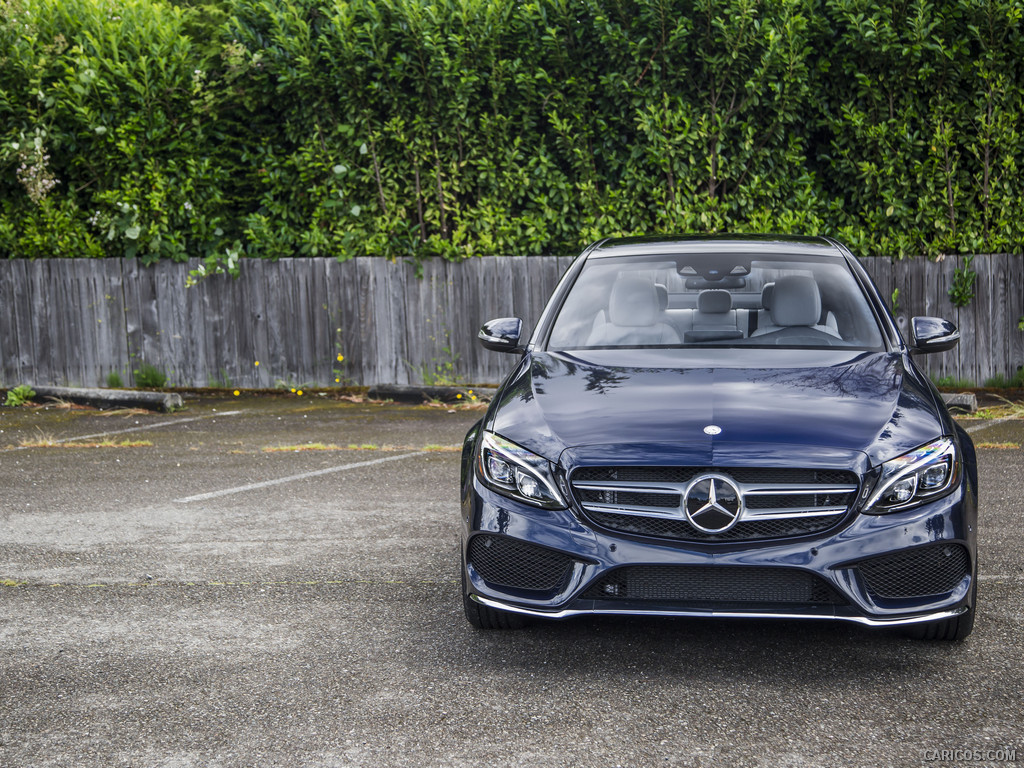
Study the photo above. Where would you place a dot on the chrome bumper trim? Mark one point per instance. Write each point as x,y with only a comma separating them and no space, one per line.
712,614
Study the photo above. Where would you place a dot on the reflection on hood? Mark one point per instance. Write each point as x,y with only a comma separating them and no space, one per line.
867,403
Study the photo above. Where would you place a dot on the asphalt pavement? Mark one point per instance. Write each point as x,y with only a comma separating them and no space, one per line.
273,581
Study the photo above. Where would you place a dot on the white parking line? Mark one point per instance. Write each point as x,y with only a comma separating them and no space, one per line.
293,478
158,425
987,424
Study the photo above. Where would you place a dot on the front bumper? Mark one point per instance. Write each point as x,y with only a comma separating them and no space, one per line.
834,564
716,614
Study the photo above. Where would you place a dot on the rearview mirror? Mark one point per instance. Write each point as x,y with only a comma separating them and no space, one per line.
933,334
502,335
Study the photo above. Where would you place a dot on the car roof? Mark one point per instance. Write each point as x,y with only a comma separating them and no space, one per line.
777,245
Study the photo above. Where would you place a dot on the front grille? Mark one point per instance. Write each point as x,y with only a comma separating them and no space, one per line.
713,584
922,572
779,502
506,562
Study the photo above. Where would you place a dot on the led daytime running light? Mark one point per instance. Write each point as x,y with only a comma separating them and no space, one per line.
512,469
912,477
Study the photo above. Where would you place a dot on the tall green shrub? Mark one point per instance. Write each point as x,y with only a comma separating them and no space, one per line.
109,95
415,128
921,107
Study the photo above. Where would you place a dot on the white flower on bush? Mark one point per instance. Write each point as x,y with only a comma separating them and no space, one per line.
34,172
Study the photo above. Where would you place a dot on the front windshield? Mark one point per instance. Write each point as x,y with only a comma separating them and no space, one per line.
715,301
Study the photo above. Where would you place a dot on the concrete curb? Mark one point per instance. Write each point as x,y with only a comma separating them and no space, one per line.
965,401
112,398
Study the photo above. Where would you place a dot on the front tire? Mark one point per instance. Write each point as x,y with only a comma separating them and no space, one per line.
954,629
484,617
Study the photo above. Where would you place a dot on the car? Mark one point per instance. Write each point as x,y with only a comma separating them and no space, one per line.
720,426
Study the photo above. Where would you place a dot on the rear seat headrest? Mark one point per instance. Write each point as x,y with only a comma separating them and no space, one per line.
714,301
766,295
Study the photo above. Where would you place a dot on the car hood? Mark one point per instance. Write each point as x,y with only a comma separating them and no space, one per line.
847,409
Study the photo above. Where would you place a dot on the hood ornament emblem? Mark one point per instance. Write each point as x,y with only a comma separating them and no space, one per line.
711,429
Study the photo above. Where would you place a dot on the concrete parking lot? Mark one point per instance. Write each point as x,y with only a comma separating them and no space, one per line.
191,589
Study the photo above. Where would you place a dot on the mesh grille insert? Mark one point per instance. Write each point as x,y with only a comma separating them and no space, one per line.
507,562
921,572
712,584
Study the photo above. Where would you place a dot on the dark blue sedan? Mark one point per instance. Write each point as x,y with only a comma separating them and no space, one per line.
727,427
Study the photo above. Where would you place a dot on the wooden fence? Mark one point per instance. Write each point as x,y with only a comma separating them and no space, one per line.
74,321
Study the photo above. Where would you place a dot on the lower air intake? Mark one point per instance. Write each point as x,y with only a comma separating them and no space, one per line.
507,562
922,572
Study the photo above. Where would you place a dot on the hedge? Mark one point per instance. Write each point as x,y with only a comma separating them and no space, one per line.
455,128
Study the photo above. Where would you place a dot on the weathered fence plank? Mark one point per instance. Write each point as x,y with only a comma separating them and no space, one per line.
1014,312
75,321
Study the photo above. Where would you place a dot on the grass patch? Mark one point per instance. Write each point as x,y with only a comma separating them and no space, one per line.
302,447
360,447
126,412
997,446
46,441
951,382
999,381
319,447
150,377
1007,409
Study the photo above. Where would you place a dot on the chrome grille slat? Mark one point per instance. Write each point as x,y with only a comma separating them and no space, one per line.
785,488
634,510
623,487
656,494
782,514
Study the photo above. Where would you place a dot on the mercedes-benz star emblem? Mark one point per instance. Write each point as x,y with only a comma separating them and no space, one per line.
711,429
712,503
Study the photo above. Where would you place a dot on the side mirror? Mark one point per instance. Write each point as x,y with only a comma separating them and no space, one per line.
502,335
933,334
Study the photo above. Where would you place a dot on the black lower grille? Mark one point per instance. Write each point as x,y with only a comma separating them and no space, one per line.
713,584
932,570
507,562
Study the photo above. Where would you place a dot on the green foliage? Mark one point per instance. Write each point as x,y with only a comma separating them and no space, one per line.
961,292
999,381
114,380
224,129
441,370
149,376
221,382
951,382
19,395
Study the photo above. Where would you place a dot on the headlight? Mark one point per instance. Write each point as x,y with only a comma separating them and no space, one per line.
514,471
913,478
